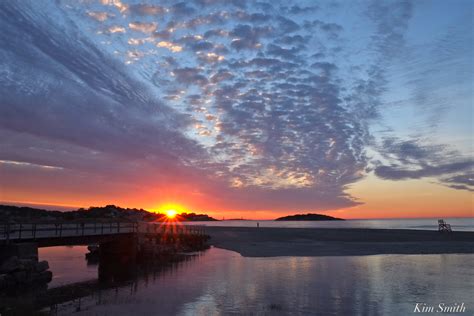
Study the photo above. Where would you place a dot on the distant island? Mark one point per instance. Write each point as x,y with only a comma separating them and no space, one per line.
308,217
235,219
10,213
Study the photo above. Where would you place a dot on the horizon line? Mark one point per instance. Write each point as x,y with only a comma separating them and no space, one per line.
76,207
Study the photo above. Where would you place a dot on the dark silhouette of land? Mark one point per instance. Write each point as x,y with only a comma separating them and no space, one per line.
10,213
308,217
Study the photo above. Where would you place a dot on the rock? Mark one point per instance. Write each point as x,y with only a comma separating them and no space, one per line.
27,250
46,276
3,281
93,248
20,276
28,264
10,265
42,266
23,272
6,281
43,277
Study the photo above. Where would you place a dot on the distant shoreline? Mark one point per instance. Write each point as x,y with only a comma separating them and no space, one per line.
275,242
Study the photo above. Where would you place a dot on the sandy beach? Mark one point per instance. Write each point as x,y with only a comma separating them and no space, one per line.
273,242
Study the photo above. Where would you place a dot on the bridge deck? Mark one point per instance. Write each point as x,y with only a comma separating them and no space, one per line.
71,231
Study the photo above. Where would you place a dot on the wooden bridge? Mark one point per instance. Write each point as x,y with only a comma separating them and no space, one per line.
121,245
48,234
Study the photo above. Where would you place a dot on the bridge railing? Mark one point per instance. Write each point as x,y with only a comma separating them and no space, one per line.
28,231
174,228
19,231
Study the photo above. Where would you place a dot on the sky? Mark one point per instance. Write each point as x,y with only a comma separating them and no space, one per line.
254,109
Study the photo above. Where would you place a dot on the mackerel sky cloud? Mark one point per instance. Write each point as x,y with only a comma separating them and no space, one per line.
233,105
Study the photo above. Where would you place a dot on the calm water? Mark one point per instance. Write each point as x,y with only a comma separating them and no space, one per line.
221,282
457,224
68,264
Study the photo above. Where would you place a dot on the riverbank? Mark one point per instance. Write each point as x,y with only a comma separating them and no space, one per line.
274,242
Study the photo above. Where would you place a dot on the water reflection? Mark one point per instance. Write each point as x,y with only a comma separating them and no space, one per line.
221,282
68,264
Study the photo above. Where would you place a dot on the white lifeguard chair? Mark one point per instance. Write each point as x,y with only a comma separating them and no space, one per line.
443,226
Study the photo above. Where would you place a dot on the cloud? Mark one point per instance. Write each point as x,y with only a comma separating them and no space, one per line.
286,25
331,29
461,181
397,173
143,27
214,18
99,16
170,46
182,8
411,159
297,9
116,29
215,33
252,18
466,179
278,51
165,34
145,9
292,40
391,20
189,76
210,57
86,98
196,43
247,37
221,76
248,105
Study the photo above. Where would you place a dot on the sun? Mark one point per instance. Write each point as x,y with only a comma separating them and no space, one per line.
171,213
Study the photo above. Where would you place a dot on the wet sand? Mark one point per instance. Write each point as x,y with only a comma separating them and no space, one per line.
273,242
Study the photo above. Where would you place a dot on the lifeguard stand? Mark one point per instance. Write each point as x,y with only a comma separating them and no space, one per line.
443,227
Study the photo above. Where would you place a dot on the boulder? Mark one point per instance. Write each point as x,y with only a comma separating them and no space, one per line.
46,276
20,276
6,281
42,277
28,264
10,265
42,266
3,281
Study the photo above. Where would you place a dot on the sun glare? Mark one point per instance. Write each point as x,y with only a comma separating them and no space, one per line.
171,210
171,213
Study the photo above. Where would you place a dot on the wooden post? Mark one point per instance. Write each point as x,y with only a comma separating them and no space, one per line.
60,229
19,237
34,231
118,227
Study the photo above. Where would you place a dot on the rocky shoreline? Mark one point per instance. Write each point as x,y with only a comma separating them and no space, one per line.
22,269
